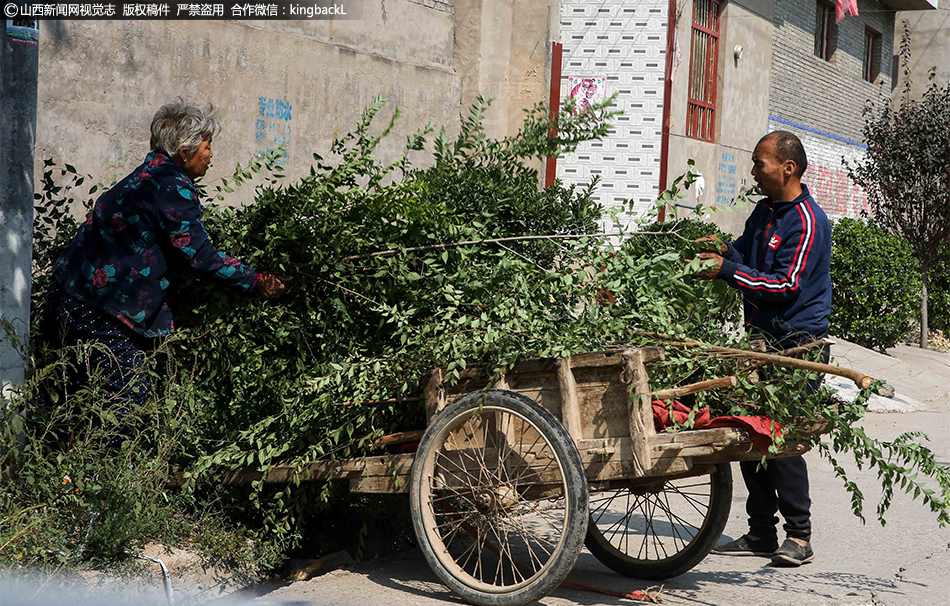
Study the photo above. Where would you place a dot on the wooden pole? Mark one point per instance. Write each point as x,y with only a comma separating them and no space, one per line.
792,352
386,253
860,379
434,395
685,390
570,408
639,411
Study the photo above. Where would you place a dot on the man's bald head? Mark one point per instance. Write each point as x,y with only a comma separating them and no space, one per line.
787,146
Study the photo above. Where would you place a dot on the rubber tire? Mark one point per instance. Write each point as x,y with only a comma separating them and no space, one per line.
683,561
576,526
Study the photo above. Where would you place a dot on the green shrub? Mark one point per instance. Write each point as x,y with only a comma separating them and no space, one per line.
271,374
938,292
875,285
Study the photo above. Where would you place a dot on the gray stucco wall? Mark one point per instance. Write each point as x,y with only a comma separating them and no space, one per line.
930,48
741,109
503,51
100,83
828,96
302,83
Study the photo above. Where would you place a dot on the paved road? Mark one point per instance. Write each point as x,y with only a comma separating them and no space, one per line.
905,563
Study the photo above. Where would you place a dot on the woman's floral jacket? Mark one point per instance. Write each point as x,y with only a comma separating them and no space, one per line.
134,243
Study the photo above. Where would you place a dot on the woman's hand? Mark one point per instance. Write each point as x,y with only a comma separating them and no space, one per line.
270,286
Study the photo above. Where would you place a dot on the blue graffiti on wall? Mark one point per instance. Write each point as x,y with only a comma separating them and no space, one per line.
272,127
726,184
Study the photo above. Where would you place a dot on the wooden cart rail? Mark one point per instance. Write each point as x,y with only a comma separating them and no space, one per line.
605,460
604,399
601,398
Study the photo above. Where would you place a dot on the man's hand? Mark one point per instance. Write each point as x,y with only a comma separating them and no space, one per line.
715,244
713,271
270,286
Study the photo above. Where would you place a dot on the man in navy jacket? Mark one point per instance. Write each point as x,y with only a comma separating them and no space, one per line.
780,263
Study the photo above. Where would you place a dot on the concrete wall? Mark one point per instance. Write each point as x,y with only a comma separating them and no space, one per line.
302,82
930,48
827,177
503,51
18,69
741,108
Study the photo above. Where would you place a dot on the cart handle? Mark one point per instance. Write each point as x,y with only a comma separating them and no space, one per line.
860,379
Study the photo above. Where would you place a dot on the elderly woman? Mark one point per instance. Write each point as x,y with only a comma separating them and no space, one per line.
110,283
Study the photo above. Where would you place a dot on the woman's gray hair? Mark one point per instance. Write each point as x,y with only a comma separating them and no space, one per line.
181,126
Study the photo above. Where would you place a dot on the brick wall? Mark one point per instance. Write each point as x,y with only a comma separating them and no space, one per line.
828,96
827,176
822,101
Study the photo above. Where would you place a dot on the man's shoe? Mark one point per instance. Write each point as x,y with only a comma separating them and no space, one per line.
744,546
791,553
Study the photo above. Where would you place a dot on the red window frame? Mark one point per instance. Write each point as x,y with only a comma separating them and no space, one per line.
703,70
872,54
825,30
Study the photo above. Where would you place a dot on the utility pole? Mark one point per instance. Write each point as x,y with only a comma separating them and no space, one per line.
19,63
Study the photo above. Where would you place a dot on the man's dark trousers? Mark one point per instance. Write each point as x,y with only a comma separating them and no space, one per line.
781,487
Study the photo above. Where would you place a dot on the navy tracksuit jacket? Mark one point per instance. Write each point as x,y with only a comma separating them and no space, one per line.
781,264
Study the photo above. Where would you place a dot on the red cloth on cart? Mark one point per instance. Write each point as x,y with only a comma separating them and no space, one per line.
760,428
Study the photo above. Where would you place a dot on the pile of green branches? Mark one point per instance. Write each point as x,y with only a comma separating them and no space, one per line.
395,270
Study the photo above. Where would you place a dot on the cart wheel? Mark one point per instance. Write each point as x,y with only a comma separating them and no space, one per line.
499,499
661,530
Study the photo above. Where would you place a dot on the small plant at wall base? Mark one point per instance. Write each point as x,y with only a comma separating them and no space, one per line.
906,172
876,285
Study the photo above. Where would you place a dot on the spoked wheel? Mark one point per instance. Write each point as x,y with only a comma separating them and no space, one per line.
662,529
499,499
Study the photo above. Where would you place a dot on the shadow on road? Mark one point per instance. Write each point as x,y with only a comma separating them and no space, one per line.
693,586
408,572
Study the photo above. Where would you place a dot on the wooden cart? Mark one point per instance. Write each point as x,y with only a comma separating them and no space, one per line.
513,475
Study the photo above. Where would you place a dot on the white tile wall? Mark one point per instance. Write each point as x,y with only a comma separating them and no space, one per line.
626,41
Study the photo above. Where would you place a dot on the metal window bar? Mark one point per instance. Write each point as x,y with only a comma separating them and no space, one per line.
872,44
823,31
704,63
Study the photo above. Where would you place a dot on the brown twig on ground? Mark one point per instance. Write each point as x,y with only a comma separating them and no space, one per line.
650,597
